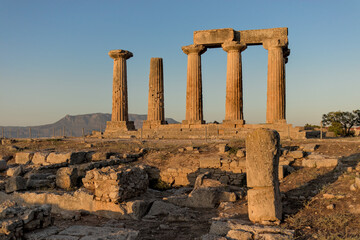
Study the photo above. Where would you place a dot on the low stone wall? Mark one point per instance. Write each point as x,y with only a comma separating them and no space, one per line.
81,200
227,171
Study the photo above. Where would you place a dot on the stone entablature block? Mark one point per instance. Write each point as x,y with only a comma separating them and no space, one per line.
216,37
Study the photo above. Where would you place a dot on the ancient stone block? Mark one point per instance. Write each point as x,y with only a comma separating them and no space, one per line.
210,162
78,157
296,154
264,204
319,163
205,197
239,234
70,157
262,158
55,158
357,182
98,156
23,157
3,165
39,158
223,148
2,185
257,36
15,171
227,197
66,178
311,147
309,163
262,163
240,153
15,184
137,209
39,183
214,37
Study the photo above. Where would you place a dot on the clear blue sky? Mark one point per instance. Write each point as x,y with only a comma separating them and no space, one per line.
54,56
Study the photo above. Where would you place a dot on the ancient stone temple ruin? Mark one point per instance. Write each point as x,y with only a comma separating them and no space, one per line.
274,40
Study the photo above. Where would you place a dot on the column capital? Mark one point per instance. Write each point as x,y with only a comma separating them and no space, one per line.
274,43
194,49
230,46
119,53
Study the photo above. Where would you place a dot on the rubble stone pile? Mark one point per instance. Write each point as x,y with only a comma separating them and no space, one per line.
16,219
116,184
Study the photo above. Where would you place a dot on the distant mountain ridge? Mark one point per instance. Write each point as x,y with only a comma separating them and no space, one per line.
71,125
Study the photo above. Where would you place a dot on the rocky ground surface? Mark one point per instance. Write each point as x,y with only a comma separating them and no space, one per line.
320,189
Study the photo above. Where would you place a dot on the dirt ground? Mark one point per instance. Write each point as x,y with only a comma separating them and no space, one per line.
317,202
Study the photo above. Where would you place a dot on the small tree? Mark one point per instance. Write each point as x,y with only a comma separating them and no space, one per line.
345,120
337,129
357,114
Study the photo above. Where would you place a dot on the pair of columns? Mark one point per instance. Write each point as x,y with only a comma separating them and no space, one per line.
234,95
120,118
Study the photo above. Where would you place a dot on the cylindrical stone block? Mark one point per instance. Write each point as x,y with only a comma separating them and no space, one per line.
156,91
275,107
234,94
262,158
262,166
264,205
194,103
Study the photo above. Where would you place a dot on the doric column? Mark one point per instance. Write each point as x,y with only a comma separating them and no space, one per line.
234,95
119,117
194,103
156,113
275,108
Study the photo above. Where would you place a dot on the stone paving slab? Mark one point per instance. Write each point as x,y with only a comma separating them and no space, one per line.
80,232
42,234
90,233
62,237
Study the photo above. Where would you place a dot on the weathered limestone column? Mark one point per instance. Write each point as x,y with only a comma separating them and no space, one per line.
119,117
156,112
194,103
262,166
234,95
275,108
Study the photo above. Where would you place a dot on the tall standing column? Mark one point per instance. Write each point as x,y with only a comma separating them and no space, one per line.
156,112
194,103
119,117
262,176
275,108
234,95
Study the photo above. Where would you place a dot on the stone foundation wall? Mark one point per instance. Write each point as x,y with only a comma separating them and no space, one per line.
201,131
227,171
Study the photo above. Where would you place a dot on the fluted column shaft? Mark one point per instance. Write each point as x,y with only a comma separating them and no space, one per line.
120,99
194,103
275,108
156,91
234,94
